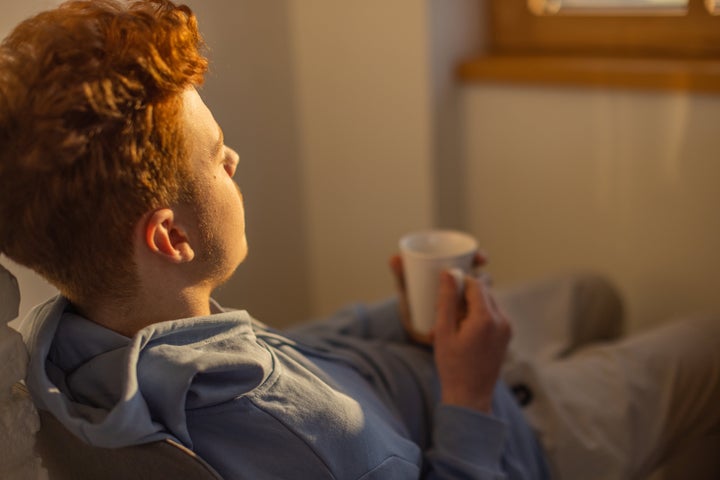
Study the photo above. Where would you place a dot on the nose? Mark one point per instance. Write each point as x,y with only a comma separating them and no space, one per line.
231,161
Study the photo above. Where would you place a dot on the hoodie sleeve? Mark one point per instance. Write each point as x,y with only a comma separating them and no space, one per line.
466,445
379,321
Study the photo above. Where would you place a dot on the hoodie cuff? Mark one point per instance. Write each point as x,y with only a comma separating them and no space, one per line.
469,436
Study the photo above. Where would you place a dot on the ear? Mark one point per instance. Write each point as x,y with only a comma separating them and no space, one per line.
164,236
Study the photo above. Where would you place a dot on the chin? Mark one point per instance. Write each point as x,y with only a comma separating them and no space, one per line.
243,251
240,259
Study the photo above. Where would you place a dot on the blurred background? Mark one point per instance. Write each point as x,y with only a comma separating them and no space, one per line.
353,128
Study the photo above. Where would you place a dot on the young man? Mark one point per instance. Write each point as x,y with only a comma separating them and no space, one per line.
116,185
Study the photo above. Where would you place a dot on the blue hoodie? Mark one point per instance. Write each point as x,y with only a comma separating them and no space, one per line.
344,399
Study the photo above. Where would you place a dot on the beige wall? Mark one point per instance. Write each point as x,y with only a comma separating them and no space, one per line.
625,183
364,111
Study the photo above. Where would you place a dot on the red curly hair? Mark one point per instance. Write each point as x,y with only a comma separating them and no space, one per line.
90,136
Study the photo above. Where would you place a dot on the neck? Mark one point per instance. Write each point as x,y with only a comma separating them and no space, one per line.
127,317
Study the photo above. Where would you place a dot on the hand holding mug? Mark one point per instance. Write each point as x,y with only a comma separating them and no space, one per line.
424,256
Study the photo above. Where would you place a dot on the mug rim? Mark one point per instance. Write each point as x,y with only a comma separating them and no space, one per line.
468,243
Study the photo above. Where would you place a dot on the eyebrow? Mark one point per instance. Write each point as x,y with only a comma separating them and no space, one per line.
219,144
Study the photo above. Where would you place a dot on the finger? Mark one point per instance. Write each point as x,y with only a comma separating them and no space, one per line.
480,259
459,278
507,326
477,298
447,314
494,304
501,322
504,327
396,267
473,295
421,338
485,278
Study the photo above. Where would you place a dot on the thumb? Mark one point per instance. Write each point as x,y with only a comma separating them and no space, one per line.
447,310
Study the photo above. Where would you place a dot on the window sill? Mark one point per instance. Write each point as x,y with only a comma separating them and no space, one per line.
700,75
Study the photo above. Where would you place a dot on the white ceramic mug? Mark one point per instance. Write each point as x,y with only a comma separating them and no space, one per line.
425,256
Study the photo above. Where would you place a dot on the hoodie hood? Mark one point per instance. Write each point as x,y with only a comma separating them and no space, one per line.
112,390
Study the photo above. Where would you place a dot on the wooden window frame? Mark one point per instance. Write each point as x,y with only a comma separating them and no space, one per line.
656,52
514,29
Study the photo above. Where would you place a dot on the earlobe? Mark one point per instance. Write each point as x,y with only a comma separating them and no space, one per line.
165,237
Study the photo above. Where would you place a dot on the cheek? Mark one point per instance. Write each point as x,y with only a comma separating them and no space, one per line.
236,187
235,205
